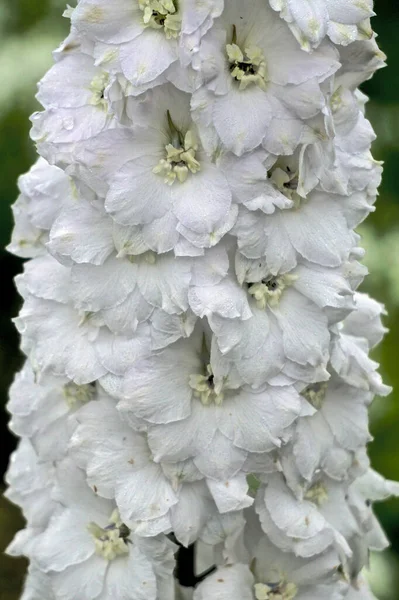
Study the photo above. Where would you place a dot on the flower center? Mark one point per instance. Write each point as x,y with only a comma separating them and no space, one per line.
180,158
315,393
275,591
161,14
147,257
78,393
270,289
97,87
204,388
336,100
286,181
248,67
112,540
317,493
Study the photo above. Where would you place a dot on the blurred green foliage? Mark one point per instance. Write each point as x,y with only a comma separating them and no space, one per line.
29,31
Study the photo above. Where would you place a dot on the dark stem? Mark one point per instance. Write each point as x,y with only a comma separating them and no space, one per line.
185,571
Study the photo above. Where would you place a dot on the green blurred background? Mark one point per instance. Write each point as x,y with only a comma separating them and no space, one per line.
29,30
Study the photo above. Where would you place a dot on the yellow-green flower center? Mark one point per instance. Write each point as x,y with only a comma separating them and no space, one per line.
180,156
112,540
148,257
336,100
315,393
275,591
205,389
286,181
248,67
317,494
78,393
270,289
97,87
161,14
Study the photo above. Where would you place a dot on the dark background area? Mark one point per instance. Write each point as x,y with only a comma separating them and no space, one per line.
29,30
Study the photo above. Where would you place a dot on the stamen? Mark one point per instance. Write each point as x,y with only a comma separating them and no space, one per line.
112,540
204,388
317,493
180,155
248,67
286,181
270,289
315,393
78,393
275,591
98,86
162,14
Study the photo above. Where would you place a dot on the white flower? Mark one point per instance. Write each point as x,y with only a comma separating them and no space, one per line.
299,525
345,165
30,484
87,349
254,74
365,490
310,21
78,115
359,61
88,551
40,410
44,191
119,465
350,360
275,574
83,233
140,38
316,231
290,317
149,280
365,321
196,411
167,162
329,439
128,290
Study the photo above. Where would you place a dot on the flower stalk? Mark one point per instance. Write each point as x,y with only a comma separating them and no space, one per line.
191,321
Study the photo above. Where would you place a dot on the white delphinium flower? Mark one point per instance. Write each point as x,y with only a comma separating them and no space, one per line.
162,157
87,551
366,320
202,412
291,312
131,288
30,487
87,349
350,360
310,21
41,410
198,355
258,87
325,514
142,39
260,571
119,465
365,490
329,439
80,114
44,191
302,524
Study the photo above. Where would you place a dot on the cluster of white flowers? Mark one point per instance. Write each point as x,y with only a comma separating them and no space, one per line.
193,409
